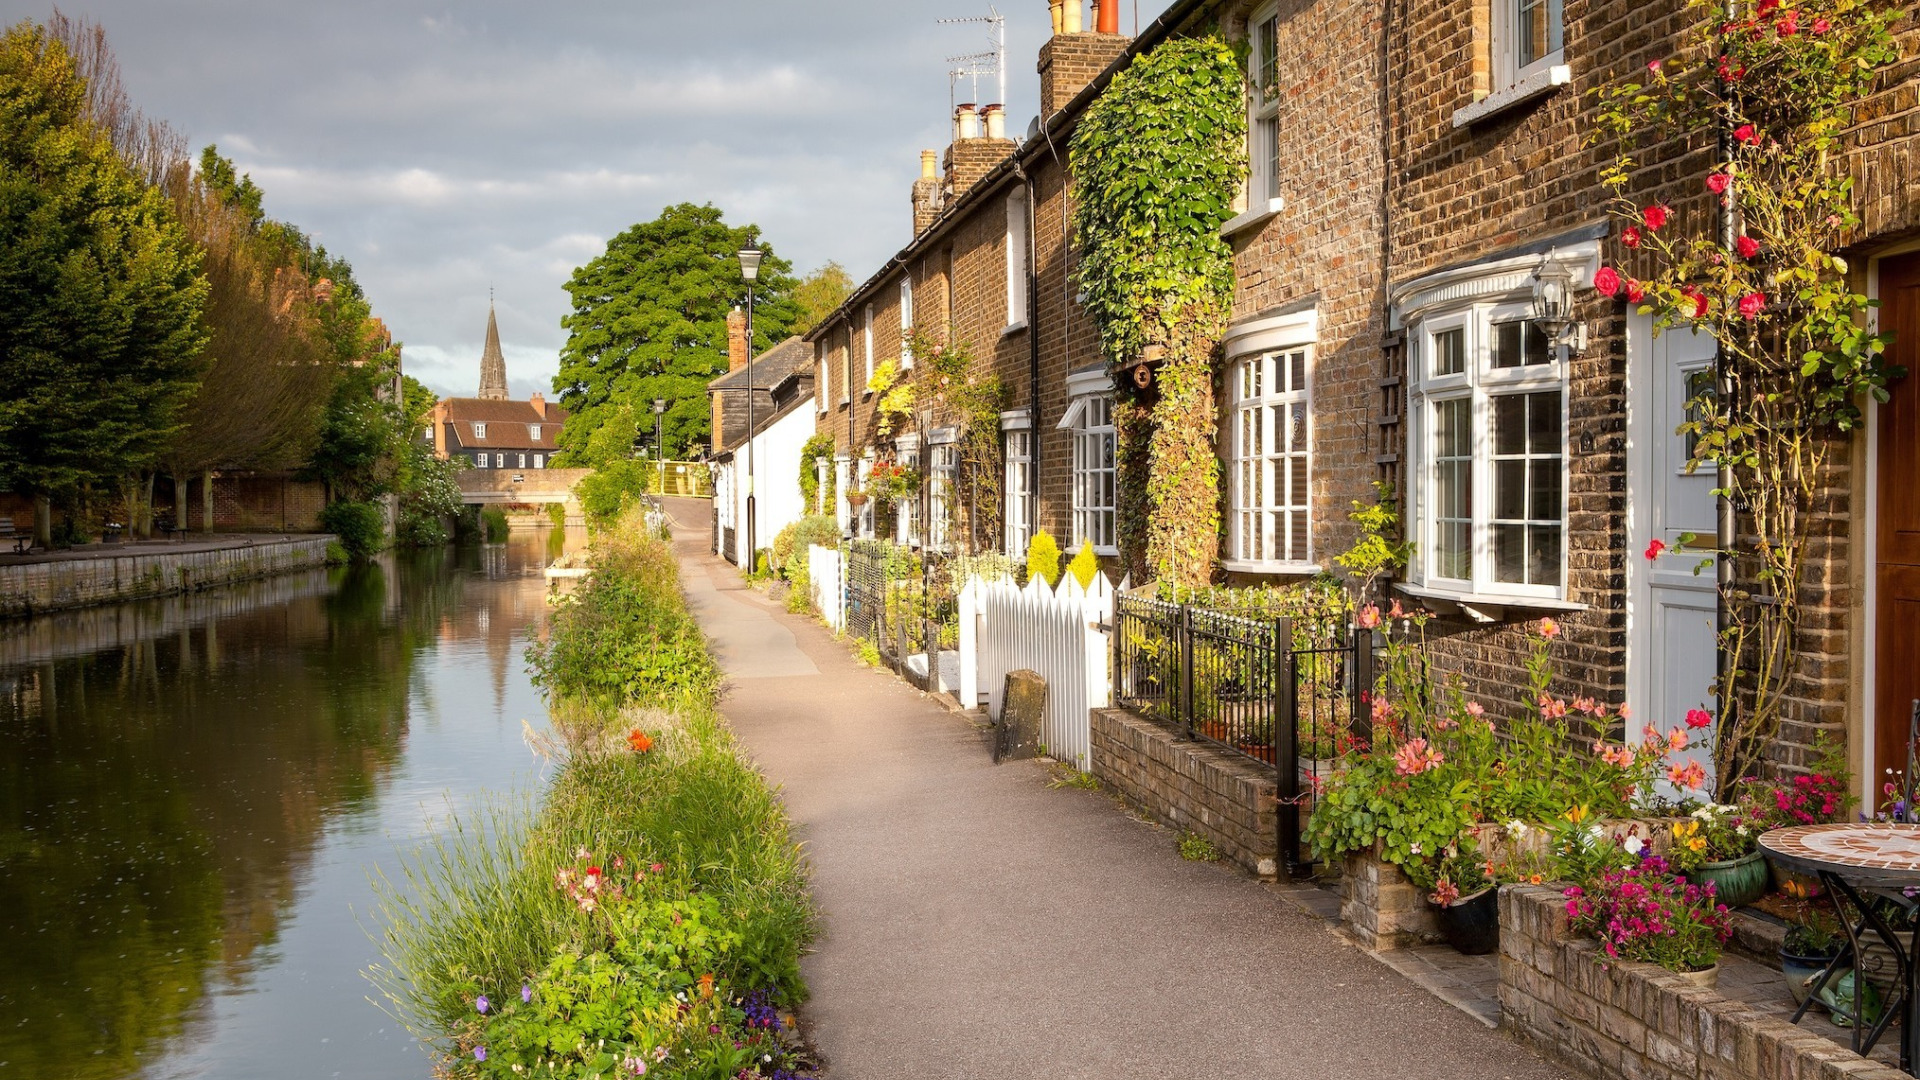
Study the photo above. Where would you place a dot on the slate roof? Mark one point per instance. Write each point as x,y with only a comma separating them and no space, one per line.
507,424
770,368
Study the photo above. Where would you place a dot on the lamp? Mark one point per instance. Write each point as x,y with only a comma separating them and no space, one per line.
750,257
1553,305
659,445
750,263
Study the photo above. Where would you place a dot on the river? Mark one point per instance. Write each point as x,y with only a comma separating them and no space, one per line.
196,792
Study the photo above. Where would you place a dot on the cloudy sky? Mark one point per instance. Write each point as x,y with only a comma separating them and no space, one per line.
447,149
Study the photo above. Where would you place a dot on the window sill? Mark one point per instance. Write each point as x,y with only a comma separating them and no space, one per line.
1539,84
1244,566
1488,607
1105,552
1258,215
1014,328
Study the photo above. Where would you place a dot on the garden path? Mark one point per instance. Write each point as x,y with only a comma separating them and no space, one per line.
979,923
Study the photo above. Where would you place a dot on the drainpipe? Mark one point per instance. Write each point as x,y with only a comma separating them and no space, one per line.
1726,525
1033,348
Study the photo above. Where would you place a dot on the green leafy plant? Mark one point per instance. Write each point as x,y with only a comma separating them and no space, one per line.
819,448
361,527
1043,558
1197,848
1713,833
493,522
1798,355
1157,160
557,513
1378,551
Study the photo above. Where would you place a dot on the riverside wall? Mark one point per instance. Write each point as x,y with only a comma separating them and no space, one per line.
34,588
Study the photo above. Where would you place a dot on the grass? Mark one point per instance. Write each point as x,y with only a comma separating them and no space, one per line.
1066,776
868,653
1197,848
477,911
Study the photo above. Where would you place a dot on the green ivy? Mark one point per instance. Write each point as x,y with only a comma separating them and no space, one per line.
1157,161
818,448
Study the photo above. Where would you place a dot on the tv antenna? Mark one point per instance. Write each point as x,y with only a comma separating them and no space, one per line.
974,65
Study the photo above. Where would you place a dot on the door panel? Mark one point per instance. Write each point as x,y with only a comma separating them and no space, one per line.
1897,521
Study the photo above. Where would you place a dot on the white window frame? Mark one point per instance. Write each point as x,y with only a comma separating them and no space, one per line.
539,461
867,351
1016,259
479,431
906,321
943,475
1095,458
480,460
1016,429
1509,67
1263,348
1263,113
842,510
865,472
523,462
906,513
823,391
1473,299
534,430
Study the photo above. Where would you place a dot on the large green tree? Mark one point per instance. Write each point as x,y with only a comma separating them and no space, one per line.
100,294
649,321
819,294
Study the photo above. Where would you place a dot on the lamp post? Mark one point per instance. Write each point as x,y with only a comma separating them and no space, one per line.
750,269
660,447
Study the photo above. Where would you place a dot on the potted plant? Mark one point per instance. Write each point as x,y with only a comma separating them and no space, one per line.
1719,845
1811,944
1464,896
856,497
1641,912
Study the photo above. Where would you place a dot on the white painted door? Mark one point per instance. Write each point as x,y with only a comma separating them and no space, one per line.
1670,609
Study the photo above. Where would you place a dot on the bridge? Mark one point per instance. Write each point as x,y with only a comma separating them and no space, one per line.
498,487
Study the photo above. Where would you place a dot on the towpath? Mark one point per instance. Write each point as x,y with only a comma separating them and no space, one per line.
979,923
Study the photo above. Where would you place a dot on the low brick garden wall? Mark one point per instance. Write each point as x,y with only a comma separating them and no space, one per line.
1638,1020
1189,785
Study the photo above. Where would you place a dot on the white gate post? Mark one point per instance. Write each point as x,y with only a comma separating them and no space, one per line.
969,691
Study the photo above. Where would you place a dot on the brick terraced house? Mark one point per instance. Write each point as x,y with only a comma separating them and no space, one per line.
492,431
1421,174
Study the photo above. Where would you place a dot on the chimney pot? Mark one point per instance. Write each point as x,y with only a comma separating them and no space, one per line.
996,121
1108,20
929,164
1072,17
736,339
1053,8
966,122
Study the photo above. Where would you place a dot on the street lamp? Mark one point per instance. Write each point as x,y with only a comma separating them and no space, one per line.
750,269
660,447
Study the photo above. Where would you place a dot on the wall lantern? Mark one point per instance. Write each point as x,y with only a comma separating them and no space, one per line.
1553,306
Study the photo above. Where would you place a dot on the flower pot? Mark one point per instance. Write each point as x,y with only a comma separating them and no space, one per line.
1706,978
1214,729
1258,751
856,498
1736,882
1800,972
1471,924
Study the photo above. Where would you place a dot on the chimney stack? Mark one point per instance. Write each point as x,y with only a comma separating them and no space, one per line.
1073,57
927,201
736,339
539,402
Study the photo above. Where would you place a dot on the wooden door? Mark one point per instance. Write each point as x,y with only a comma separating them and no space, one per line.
1897,524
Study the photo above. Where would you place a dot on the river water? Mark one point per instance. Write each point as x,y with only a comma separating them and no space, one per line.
195,793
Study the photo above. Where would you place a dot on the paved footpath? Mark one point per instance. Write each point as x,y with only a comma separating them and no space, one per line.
979,923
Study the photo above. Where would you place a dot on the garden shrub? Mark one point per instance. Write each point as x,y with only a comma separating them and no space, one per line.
361,526
1085,566
429,497
792,542
1043,558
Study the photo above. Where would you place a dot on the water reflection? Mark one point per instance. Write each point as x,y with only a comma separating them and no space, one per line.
194,791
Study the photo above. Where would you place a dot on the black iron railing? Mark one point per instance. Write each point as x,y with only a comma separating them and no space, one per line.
1251,686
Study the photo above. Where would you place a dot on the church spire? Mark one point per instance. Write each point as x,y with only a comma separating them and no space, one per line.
493,364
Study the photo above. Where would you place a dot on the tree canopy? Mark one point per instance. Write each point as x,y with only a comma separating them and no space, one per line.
818,294
100,292
649,321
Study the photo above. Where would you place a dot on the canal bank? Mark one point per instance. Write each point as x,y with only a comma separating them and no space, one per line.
114,573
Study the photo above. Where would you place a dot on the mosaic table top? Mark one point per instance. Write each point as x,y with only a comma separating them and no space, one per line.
1869,852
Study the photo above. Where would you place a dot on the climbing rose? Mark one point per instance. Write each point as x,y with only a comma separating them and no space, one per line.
1699,301
1821,26
1630,236
1766,8
1655,216
1747,246
1653,66
1654,549
1699,718
1606,281
1746,134
1717,182
1789,24
1752,304
1635,291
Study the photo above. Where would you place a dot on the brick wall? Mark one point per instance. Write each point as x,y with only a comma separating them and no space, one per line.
1189,786
1069,62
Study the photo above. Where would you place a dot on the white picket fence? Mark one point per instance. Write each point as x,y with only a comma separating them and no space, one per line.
1055,632
826,572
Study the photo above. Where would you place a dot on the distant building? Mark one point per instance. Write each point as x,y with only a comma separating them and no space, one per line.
780,384
491,431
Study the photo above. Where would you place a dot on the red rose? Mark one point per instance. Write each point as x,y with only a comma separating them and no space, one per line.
1699,299
1630,236
1653,66
1821,26
1606,281
1766,8
1654,549
1655,216
1718,182
1747,246
1752,304
1789,24
1699,718
1746,134
1635,292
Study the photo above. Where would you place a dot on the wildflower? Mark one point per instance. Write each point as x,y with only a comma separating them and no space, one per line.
479,1053
1655,216
526,991
1718,182
481,1003
1699,718
660,1053
1747,246
1549,629
656,868
639,740
1630,236
582,853
1655,548
635,1065
1606,281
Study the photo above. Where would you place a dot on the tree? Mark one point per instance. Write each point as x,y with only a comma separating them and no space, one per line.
100,295
819,294
649,321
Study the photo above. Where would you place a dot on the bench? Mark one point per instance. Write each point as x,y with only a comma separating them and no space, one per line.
166,525
21,540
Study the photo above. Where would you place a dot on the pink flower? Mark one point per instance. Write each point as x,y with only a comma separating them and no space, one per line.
1699,718
1821,26
1369,617
1676,740
1606,281
1630,236
1746,134
1475,709
1789,24
1752,304
1655,548
1747,246
1553,708
1415,757
1635,291
1653,66
1548,629
1718,182
1655,216
1766,8
1689,775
